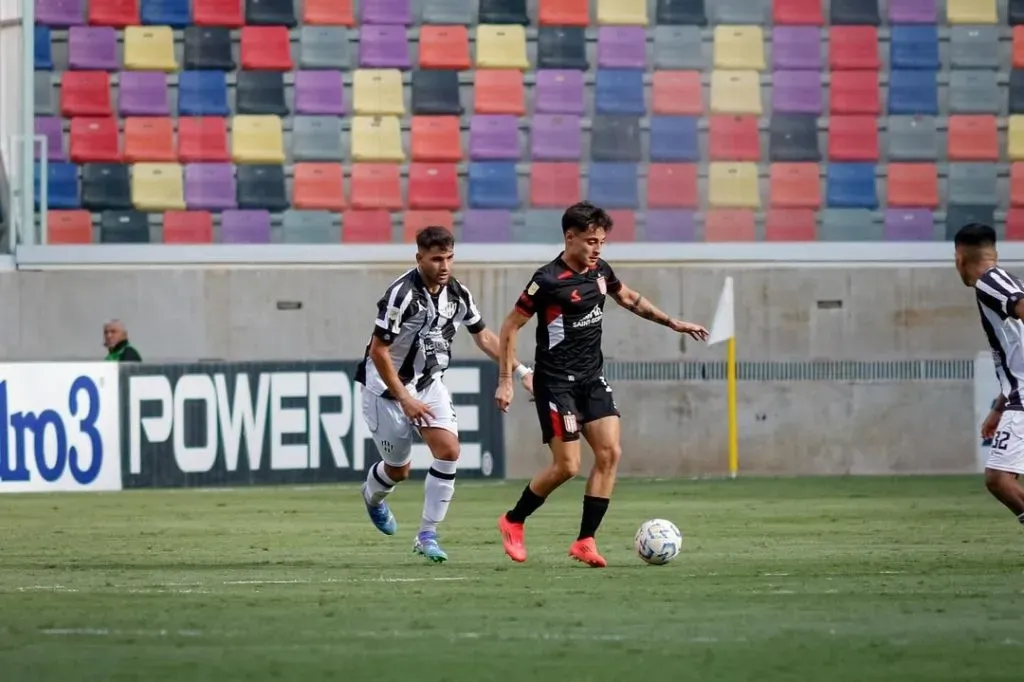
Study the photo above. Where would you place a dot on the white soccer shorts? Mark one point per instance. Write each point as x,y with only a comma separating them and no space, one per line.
1007,452
393,432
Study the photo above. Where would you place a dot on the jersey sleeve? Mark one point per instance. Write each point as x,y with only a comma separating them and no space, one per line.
999,292
473,320
535,296
393,310
612,282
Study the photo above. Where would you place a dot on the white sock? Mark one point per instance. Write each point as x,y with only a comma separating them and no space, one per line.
378,484
437,493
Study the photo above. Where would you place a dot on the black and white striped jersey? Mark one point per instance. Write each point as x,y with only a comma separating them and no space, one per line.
998,293
418,327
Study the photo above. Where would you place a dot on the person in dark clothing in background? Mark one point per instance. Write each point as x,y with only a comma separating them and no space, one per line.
119,349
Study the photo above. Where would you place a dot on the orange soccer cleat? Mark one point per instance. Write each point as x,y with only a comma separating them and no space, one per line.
585,551
512,538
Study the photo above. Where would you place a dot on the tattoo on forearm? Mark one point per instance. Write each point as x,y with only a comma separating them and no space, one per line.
645,309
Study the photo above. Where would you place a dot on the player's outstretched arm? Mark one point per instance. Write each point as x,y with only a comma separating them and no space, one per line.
507,357
488,342
641,307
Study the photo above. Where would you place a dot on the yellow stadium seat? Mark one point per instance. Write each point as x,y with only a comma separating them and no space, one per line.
378,91
739,47
376,138
971,11
736,92
1015,142
733,185
257,139
149,48
622,12
501,47
158,187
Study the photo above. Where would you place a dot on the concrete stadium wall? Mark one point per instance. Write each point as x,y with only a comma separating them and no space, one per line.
673,428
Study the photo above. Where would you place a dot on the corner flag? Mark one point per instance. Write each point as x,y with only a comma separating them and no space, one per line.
723,328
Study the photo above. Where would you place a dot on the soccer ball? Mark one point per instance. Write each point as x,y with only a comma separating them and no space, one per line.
658,541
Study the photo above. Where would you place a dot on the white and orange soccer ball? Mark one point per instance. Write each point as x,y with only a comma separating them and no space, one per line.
658,541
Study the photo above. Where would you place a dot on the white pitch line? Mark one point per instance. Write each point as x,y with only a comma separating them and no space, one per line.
106,632
204,588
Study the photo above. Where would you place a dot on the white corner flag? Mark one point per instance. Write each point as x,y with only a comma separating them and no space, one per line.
723,327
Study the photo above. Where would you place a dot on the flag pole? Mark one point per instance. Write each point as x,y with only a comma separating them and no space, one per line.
723,328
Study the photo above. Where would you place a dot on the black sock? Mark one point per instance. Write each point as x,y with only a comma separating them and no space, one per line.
593,511
1021,519
528,503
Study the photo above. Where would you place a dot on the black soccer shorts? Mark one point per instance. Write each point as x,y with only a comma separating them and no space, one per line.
564,407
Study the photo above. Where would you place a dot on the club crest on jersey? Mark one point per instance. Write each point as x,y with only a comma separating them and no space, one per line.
602,285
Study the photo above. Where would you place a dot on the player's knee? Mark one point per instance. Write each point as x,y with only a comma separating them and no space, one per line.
397,473
567,469
606,458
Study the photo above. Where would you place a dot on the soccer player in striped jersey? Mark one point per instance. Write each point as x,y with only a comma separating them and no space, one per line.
410,348
1000,298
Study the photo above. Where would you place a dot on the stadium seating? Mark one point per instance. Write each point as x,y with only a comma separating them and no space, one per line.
248,121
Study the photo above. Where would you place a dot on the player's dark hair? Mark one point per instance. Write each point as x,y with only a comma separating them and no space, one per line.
433,237
580,217
975,235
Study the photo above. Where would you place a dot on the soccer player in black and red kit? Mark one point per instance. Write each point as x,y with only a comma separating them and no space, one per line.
571,393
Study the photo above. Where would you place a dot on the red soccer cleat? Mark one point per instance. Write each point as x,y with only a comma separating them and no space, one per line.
585,551
512,538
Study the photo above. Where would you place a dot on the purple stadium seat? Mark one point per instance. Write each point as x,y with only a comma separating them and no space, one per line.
319,92
494,137
559,92
670,226
60,13
556,137
210,186
53,129
143,93
622,47
386,12
245,227
909,225
797,92
912,11
796,47
383,47
92,48
485,225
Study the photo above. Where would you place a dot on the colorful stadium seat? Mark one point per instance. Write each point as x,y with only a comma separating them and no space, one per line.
501,92
503,12
733,185
116,13
971,11
309,227
853,138
729,225
149,139
317,138
92,47
1015,137
677,92
124,227
106,186
43,48
914,47
913,138
436,91
377,138
68,227
260,93
622,47
376,186
158,187
377,92
913,11
680,12
188,227
796,47
561,47
793,137
262,186
328,12
623,226
483,225
740,12
493,184
974,91
670,226
622,12
52,129
848,225
564,13
795,185
143,93
451,12
60,13
415,221
798,12
493,137
973,184
678,47
202,138
855,92
436,138
365,226
85,93
319,92
853,48
270,13
444,47
914,185
672,185
208,47
257,139
266,47
501,47
790,225
733,138
797,92
149,48
324,47
222,13
173,13
739,47
973,138
203,93
619,92
554,184
615,138
974,47
211,186
434,186
851,185
61,185
909,224
556,91
245,227
383,47
854,12
736,92
556,137
95,140
318,186
674,138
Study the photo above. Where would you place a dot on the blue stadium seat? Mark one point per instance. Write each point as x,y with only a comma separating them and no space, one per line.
203,93
493,184
620,91
914,47
173,13
613,185
61,186
851,185
913,92
43,49
106,186
674,138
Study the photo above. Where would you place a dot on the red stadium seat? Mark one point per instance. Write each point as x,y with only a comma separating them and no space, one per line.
266,48
366,227
68,227
564,13
553,185
85,93
498,91
328,13
414,221
855,92
1018,47
795,185
623,226
853,48
734,138
973,138
434,186
203,138
376,186
117,13
672,185
95,140
729,225
1017,184
790,225
188,227
913,185
226,13
677,92
797,13
149,139
444,47
1015,224
853,138
318,186
436,138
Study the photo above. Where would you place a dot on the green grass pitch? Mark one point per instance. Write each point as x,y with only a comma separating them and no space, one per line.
790,579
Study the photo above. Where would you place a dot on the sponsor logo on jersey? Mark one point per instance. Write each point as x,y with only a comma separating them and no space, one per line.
593,317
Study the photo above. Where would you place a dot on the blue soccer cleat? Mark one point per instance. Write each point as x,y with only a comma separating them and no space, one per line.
381,516
426,545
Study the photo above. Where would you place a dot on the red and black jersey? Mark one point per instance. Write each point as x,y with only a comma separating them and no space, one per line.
570,308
